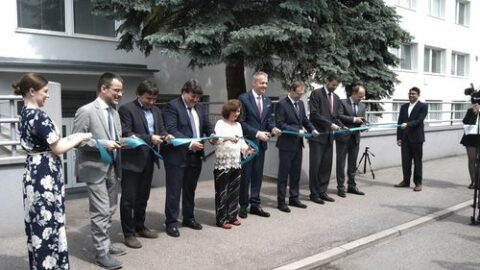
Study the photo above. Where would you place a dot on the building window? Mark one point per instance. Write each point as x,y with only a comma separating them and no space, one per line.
72,17
437,8
411,4
462,12
407,53
459,109
434,110
460,64
397,103
41,14
434,60
87,23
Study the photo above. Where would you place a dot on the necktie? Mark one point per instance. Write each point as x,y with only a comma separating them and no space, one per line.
111,130
297,109
330,100
355,109
192,123
259,105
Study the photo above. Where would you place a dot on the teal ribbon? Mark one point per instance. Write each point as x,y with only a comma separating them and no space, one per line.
134,142
251,156
304,134
104,154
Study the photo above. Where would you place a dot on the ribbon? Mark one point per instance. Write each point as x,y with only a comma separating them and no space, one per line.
134,142
301,134
104,155
251,156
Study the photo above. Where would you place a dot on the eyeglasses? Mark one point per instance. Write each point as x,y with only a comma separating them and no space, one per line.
116,90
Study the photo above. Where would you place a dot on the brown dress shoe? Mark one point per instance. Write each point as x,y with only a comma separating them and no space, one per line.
146,233
402,184
417,188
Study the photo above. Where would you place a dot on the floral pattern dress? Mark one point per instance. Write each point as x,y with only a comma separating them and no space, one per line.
43,192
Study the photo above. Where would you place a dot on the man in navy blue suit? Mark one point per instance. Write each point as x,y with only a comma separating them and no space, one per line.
142,119
410,137
290,116
184,117
257,125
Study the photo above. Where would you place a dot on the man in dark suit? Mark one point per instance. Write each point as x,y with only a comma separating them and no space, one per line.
325,108
348,144
142,119
184,117
410,137
290,116
257,123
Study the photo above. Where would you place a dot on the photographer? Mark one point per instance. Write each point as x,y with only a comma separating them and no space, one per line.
471,141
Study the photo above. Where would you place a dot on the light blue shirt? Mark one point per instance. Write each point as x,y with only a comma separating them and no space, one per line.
149,116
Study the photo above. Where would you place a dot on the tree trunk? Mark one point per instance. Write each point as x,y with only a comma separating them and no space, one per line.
235,74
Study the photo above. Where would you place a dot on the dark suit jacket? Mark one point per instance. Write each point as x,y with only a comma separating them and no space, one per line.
251,122
134,122
414,133
347,118
320,115
177,123
287,119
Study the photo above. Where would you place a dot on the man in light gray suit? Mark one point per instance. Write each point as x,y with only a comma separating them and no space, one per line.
352,115
101,119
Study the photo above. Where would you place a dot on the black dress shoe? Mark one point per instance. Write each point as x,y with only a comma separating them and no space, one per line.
402,184
243,212
297,203
284,208
192,223
173,231
355,190
327,198
259,212
317,200
341,193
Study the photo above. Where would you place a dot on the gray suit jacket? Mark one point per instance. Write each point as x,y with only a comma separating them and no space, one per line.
90,118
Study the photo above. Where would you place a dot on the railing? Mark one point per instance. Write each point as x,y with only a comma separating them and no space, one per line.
9,141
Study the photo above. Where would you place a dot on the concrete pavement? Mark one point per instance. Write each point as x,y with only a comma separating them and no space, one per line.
267,243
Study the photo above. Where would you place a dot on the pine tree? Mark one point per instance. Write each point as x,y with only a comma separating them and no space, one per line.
289,39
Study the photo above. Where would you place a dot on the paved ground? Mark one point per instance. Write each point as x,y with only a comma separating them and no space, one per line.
266,243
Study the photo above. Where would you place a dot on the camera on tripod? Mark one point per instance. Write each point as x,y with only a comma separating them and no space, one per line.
473,93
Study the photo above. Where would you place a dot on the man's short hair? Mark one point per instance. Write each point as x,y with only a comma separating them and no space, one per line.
295,85
258,74
148,87
356,88
415,89
192,86
106,79
232,105
333,77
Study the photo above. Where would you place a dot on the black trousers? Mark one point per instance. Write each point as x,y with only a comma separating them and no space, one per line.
252,175
181,180
321,155
227,189
346,151
133,203
290,167
412,151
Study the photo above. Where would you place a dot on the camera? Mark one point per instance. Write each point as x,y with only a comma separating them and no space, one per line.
473,93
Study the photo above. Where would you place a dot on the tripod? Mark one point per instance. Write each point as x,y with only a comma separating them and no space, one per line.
366,158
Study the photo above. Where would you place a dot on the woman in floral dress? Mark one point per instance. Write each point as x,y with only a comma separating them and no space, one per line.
43,191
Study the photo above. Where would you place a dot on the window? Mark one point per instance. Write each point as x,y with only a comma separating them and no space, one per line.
459,108
462,12
42,14
72,17
87,23
407,53
434,110
411,4
460,64
434,60
397,103
437,8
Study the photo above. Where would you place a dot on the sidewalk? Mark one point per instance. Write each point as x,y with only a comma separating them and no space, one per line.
266,243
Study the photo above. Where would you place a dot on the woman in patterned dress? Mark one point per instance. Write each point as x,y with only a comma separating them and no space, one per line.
43,191
227,167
